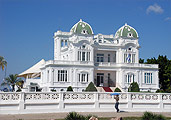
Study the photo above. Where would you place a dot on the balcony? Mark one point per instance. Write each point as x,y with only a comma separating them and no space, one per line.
61,62
126,65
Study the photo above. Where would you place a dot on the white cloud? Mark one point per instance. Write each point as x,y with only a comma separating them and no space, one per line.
154,8
168,19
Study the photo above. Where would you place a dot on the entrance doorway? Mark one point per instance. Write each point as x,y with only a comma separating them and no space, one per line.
100,79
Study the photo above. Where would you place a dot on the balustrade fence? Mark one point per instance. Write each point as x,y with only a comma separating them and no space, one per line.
48,102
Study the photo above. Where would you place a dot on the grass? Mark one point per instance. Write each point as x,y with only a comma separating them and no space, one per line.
132,118
125,118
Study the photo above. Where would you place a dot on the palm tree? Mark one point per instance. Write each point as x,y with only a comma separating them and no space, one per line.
3,63
12,80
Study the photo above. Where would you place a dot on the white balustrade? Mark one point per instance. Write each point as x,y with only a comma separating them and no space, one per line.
112,64
45,102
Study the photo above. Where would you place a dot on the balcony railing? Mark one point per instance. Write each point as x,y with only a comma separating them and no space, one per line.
61,62
112,64
101,64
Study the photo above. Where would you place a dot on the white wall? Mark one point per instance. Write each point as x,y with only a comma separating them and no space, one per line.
49,102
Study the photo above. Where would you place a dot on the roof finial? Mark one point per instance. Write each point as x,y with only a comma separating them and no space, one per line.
80,20
125,24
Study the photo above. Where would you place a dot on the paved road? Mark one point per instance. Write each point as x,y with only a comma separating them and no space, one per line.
51,116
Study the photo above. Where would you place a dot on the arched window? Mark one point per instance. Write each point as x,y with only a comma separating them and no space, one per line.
129,56
129,78
83,77
84,53
64,43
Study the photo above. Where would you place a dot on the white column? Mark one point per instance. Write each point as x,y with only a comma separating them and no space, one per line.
52,76
92,55
81,55
137,56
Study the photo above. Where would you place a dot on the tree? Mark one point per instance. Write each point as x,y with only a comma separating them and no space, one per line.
69,88
164,72
141,60
12,81
3,63
134,87
91,88
20,84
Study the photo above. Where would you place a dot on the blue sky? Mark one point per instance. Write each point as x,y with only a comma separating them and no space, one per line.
27,26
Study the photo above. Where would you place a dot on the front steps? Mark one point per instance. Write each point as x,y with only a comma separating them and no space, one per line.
105,89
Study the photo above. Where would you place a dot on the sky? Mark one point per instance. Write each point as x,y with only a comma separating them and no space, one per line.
27,26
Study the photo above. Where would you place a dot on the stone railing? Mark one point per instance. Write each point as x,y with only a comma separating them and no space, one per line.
112,64
61,62
45,102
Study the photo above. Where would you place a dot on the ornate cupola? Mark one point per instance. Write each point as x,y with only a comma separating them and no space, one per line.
126,31
82,27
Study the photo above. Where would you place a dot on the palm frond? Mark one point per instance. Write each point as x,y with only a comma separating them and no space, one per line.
4,83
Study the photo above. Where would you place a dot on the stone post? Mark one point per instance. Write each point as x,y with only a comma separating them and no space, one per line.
96,98
161,102
61,100
129,102
21,102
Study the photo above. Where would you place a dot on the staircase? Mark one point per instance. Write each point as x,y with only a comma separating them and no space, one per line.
107,89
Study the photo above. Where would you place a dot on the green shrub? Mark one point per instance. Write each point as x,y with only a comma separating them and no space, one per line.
91,88
74,116
117,90
53,90
160,91
134,87
69,88
151,116
19,90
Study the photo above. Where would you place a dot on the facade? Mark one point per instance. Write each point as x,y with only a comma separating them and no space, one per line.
80,57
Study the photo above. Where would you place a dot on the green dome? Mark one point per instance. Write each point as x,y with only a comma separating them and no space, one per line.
126,31
82,28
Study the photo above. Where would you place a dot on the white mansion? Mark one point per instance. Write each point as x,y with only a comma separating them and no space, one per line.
80,57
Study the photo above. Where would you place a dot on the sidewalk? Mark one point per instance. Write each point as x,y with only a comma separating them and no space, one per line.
49,116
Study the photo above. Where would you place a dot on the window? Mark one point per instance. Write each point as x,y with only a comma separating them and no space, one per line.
129,34
129,58
148,78
108,57
83,56
83,53
129,78
100,41
83,77
64,43
83,47
84,31
100,57
62,76
108,76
